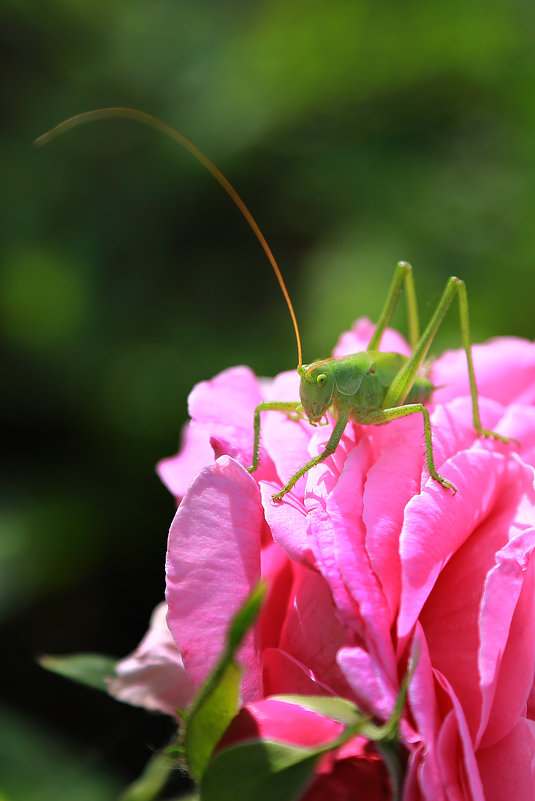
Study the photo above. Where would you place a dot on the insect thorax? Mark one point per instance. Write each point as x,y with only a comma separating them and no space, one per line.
362,381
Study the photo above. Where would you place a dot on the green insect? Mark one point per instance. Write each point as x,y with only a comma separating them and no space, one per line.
370,388
373,388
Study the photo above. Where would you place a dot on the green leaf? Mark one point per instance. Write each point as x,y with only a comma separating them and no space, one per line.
246,616
211,717
217,702
266,769
259,771
89,669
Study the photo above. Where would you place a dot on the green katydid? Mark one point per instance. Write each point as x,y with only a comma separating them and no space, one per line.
371,388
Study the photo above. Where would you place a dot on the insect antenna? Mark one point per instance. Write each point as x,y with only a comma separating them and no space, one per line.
174,133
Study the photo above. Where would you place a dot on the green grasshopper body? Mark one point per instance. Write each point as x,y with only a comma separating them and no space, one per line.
374,388
371,387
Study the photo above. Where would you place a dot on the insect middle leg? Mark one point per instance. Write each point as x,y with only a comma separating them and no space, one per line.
386,415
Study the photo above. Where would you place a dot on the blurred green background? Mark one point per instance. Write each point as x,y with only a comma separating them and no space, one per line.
358,132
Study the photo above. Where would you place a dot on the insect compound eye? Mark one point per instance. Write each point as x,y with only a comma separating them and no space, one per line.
321,380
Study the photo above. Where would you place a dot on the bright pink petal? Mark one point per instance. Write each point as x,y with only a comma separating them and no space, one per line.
507,634
213,561
288,523
465,624
153,676
425,712
519,422
281,721
455,751
386,493
453,428
437,523
504,368
357,339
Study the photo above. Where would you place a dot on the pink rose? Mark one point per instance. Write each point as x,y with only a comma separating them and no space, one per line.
369,562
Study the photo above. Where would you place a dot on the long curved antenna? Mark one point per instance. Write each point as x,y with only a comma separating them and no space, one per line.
168,130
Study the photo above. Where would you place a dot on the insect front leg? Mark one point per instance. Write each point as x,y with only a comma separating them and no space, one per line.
330,448
386,415
277,406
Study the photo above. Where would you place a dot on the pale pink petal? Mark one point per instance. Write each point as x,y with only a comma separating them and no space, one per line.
374,690
508,767
504,368
213,561
177,472
357,339
153,676
224,408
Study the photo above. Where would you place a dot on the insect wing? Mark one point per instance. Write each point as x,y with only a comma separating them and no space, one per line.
350,372
387,365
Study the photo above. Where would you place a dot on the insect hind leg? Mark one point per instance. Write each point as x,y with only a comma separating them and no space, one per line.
402,383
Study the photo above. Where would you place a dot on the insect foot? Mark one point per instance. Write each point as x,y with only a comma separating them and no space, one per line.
485,432
445,483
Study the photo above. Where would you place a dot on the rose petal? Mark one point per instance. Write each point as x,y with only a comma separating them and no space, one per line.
177,472
357,339
153,676
508,767
504,369
224,408
213,561
437,523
